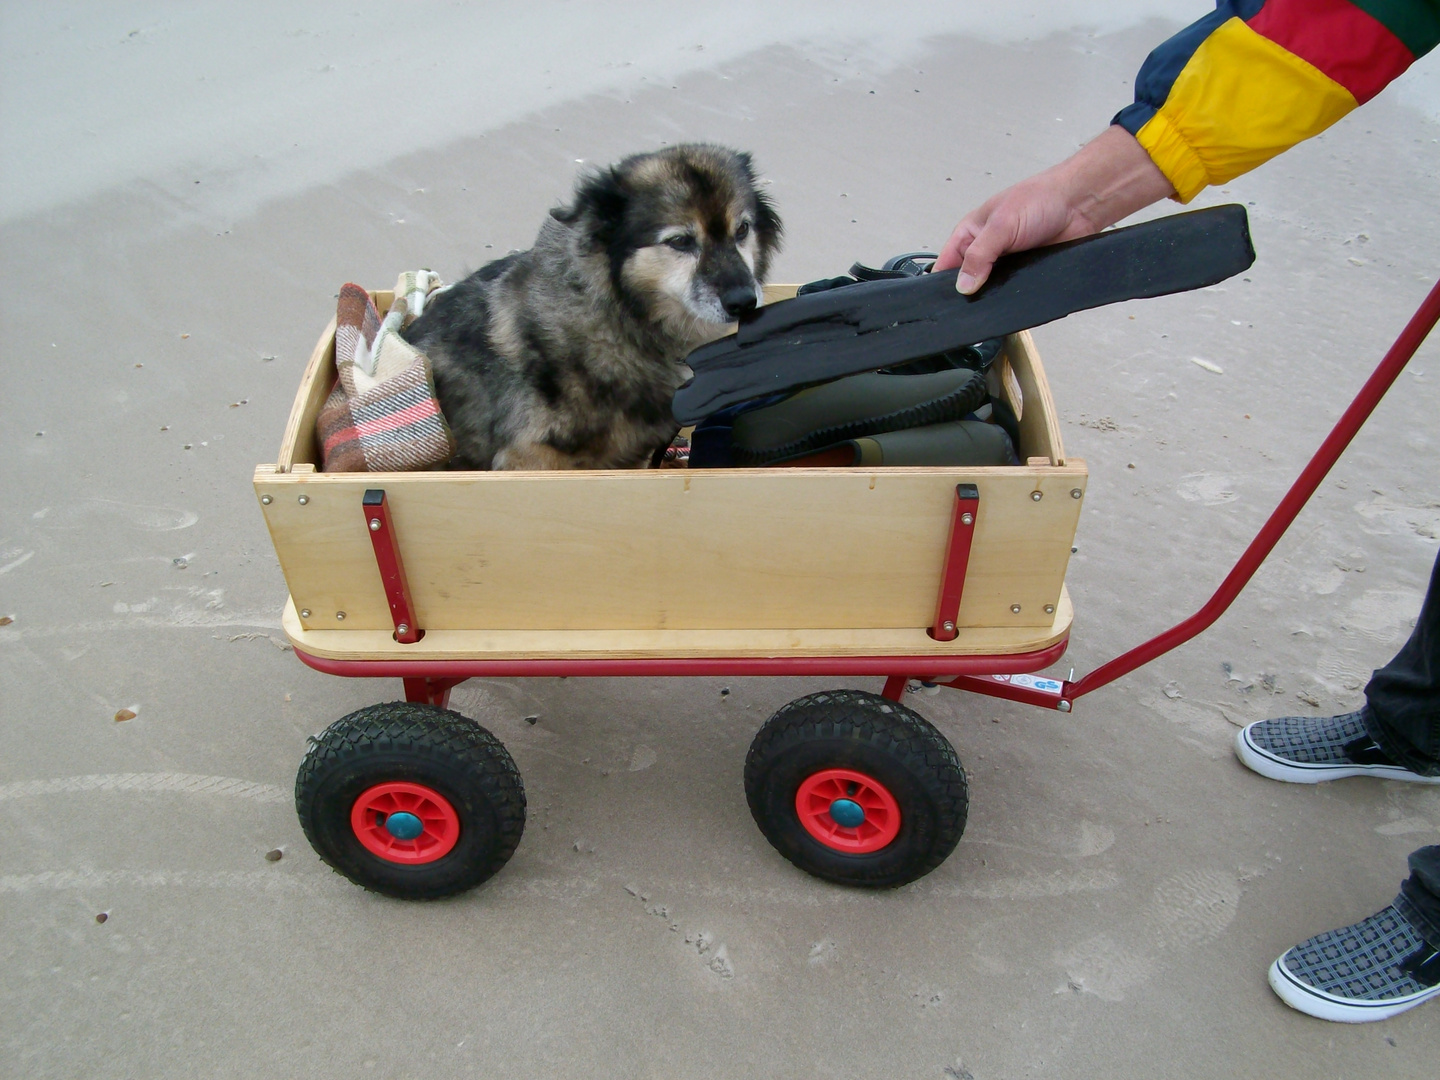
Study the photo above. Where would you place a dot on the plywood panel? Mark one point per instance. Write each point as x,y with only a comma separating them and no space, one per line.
298,443
732,548
671,644
1039,425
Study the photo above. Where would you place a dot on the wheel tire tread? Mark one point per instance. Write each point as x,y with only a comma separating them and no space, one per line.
427,731
902,733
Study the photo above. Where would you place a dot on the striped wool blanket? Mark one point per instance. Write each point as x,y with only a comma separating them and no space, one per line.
383,415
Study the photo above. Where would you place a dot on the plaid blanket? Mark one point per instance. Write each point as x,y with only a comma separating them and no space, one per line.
383,415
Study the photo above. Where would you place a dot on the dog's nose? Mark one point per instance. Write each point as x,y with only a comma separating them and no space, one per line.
738,300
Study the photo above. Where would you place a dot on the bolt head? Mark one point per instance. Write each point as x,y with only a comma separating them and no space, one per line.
1049,609
1076,493
1015,609
967,519
948,627
374,524
266,500
340,616
304,612
1037,495
1063,705
403,628
303,500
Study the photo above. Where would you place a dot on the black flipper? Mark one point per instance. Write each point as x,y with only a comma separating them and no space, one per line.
875,324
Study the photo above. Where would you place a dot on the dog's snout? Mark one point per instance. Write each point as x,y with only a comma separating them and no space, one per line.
738,300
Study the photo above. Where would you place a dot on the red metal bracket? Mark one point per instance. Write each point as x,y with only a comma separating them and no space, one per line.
1032,690
430,691
392,570
957,560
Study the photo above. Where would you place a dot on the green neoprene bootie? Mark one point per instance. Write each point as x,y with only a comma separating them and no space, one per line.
853,408
961,442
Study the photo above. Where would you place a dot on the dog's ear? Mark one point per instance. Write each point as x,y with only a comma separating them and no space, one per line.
767,221
768,227
768,231
599,207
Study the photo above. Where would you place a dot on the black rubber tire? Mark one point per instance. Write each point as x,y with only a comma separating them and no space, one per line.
855,730
426,745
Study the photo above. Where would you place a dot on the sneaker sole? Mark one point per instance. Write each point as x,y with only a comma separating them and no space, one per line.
1262,761
1305,998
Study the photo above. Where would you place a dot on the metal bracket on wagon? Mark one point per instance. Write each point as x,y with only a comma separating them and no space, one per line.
957,561
392,569
1029,689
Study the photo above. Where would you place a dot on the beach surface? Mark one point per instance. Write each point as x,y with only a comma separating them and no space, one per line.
183,190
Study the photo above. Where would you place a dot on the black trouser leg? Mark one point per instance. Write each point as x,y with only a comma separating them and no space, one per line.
1403,716
1419,899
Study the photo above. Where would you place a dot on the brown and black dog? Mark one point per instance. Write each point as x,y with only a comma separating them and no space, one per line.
567,356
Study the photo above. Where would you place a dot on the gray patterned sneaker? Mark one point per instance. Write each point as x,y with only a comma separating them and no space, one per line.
1310,749
1370,971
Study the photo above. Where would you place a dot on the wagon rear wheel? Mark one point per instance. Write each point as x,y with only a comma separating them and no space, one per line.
856,789
410,800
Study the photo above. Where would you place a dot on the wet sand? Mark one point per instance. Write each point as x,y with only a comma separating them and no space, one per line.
1123,882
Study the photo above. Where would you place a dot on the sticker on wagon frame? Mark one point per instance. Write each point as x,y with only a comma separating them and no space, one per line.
1032,682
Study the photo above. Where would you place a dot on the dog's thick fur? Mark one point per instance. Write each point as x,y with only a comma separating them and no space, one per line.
567,356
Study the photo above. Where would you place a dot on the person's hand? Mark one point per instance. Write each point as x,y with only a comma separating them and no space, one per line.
1109,178
1034,212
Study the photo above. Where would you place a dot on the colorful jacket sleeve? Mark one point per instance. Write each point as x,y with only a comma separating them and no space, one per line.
1255,77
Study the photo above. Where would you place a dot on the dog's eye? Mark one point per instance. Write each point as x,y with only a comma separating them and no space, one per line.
685,243
742,232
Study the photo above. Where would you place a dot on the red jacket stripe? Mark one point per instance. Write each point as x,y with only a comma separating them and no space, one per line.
1339,39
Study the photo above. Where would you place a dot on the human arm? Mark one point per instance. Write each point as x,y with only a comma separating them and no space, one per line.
1108,179
1223,96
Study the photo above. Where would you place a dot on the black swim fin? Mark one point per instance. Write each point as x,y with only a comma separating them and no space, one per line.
874,324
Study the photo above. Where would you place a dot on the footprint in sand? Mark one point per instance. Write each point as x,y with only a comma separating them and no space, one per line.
1208,726
1207,488
1385,515
1406,826
1064,839
133,515
716,958
822,953
1340,673
1385,616
1184,911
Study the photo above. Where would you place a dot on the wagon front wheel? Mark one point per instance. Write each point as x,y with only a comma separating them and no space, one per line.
410,800
856,789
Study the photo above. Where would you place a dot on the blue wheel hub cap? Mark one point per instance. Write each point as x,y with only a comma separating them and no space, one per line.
405,826
848,813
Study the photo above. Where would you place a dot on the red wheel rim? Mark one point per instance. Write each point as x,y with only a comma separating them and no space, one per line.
823,790
413,805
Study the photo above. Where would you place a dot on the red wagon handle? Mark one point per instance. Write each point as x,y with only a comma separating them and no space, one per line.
1350,422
